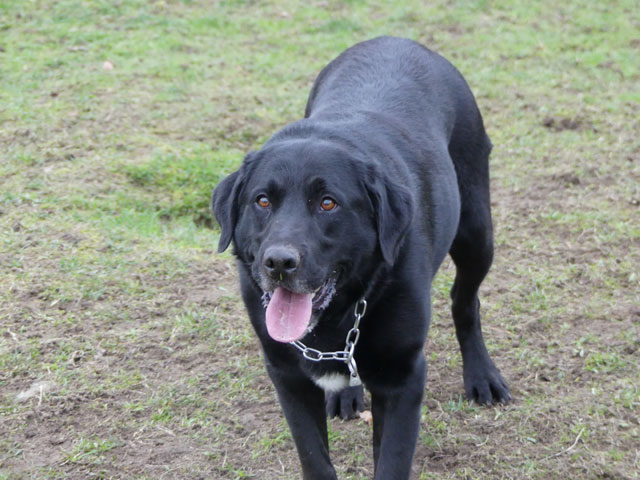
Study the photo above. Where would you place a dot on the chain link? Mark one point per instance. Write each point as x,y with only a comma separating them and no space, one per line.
345,355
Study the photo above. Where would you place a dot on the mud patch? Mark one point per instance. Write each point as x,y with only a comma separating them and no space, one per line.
559,124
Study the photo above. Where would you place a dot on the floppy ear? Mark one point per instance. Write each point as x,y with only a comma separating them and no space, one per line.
224,203
393,206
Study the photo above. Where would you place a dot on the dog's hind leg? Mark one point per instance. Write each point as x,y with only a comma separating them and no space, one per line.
472,253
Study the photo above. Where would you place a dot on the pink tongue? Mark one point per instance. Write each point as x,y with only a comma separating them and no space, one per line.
288,315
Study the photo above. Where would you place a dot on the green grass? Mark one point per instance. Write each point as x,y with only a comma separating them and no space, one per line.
90,450
111,290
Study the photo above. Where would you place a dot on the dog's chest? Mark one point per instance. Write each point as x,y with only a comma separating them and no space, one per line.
331,382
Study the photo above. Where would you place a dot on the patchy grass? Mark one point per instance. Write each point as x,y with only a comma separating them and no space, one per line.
124,331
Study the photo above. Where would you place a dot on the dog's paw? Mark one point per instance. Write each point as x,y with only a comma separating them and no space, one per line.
485,385
346,403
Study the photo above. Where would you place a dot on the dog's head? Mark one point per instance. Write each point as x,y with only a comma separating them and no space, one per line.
307,218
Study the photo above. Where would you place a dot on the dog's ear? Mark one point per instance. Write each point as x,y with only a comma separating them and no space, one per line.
393,205
224,202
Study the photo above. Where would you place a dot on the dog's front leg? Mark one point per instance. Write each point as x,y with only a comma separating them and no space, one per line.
396,422
303,406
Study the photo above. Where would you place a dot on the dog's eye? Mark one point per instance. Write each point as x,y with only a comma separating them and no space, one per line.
263,201
328,204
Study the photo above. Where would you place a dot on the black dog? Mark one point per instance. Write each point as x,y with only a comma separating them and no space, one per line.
362,199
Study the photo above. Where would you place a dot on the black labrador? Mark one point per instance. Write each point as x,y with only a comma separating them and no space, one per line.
358,202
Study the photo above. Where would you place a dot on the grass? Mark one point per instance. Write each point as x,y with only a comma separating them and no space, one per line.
118,118
90,450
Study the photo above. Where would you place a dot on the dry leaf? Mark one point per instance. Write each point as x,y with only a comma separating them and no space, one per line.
366,416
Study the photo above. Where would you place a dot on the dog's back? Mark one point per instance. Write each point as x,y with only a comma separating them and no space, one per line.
396,76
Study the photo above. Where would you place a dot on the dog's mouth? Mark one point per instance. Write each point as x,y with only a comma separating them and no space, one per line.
290,315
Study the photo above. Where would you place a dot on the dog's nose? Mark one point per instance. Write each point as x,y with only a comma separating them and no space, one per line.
280,260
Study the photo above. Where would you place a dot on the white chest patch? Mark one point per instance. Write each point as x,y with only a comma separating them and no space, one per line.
332,382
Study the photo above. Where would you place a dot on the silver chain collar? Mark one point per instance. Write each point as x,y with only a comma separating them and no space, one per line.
345,355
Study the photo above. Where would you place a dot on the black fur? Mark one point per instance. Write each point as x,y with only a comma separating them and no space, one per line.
392,133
